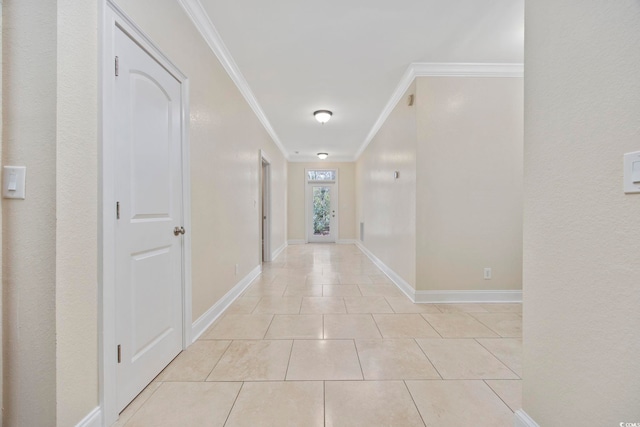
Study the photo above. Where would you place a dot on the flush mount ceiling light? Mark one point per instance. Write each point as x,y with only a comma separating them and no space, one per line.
322,116
323,156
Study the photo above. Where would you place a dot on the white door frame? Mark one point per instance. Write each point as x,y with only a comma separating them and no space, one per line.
266,201
307,202
111,17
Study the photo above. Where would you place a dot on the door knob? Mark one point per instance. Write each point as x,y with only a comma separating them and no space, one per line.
178,231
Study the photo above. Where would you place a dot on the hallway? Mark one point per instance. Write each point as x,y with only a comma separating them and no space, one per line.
322,337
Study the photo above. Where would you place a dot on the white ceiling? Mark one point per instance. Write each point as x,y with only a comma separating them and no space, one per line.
348,56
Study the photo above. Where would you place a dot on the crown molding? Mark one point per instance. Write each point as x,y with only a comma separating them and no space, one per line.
433,69
451,69
203,24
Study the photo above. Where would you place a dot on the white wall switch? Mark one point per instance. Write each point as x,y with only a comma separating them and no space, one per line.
632,172
13,182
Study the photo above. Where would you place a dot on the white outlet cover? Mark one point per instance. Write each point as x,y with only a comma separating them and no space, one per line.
630,187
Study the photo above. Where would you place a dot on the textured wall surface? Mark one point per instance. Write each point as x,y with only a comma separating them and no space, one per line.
581,234
387,206
29,139
469,183
225,139
76,211
297,184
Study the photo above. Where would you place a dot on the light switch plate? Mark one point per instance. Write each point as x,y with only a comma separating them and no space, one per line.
629,185
17,176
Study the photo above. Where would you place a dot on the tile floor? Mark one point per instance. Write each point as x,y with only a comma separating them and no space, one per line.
323,338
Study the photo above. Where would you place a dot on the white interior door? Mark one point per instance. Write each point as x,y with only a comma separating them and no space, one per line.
322,207
148,188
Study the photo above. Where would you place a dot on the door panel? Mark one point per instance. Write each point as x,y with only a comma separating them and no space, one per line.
322,213
149,189
150,147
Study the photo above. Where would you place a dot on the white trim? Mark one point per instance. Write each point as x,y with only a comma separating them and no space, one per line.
346,242
186,218
522,419
296,242
467,69
402,284
210,316
396,96
203,24
481,296
426,69
278,251
93,419
113,16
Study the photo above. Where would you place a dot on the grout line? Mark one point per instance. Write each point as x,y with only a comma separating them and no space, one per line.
219,359
496,357
160,383
359,362
496,393
289,360
324,403
233,405
254,308
392,309
414,401
434,328
273,316
376,323
425,355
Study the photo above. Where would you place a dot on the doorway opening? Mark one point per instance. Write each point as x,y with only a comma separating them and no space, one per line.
265,207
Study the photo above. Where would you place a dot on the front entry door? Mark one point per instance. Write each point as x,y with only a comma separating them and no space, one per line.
322,211
149,244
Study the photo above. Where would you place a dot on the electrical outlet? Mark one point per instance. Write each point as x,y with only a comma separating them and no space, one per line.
237,269
487,273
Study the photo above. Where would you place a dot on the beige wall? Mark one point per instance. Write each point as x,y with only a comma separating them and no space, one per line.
76,213
296,198
469,182
29,129
581,234
387,206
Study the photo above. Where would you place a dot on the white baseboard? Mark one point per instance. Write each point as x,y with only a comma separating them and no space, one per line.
207,319
402,284
425,297
278,251
296,242
93,419
522,419
346,241
483,296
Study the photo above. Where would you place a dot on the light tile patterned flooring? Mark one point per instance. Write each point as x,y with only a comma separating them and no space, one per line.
323,338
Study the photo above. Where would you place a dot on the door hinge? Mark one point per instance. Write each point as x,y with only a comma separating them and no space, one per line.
117,65
119,354
117,210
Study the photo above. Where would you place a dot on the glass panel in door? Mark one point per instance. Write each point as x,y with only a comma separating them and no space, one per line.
321,211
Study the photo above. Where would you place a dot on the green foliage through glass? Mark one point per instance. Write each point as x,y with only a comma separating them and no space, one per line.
321,211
